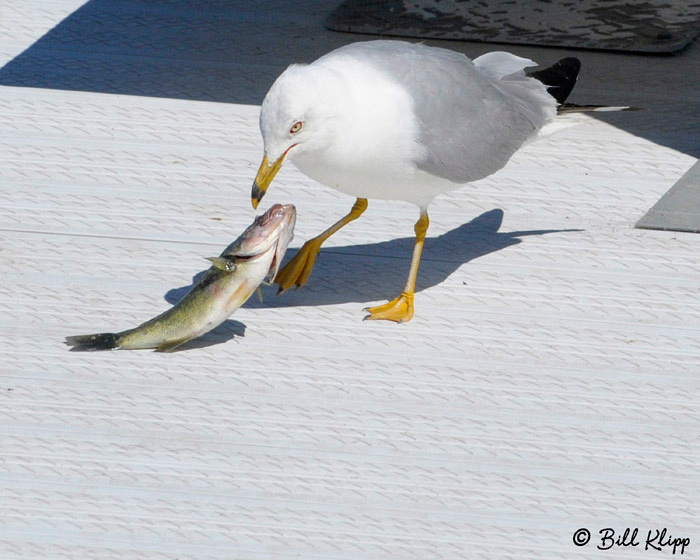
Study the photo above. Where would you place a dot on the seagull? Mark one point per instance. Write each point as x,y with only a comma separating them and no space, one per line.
394,120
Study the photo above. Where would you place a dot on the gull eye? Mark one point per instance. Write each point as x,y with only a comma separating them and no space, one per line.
296,127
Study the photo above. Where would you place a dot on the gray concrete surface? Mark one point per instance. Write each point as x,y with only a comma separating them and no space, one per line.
652,26
679,208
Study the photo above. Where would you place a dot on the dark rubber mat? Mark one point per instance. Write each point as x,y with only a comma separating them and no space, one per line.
653,26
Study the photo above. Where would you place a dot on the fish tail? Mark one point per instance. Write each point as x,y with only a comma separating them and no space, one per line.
92,342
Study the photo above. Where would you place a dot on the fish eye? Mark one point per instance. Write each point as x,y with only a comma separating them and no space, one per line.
296,127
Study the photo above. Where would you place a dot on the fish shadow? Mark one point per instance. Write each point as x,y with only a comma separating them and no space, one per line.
377,271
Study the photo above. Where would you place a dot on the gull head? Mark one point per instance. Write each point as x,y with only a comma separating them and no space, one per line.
297,117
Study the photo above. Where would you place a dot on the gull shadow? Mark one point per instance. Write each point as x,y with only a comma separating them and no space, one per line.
176,294
677,130
374,271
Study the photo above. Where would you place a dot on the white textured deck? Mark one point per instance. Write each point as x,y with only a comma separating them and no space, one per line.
549,380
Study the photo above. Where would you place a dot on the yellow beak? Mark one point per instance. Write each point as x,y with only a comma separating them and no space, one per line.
265,175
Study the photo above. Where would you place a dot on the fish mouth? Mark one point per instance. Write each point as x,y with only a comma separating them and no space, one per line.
266,238
285,234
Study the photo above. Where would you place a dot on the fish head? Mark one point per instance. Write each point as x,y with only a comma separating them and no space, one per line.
266,238
287,217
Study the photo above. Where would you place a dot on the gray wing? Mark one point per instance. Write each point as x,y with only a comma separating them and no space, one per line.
470,125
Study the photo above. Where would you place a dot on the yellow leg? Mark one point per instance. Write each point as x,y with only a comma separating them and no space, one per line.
401,308
297,271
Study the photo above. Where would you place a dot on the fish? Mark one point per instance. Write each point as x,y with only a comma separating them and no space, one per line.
233,277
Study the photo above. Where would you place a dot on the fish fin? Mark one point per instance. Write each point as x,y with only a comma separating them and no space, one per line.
172,345
259,292
92,342
222,263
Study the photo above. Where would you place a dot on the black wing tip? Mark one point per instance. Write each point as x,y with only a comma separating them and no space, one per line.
571,63
93,342
560,78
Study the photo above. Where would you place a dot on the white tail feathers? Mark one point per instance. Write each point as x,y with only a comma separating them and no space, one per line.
567,108
560,123
499,64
